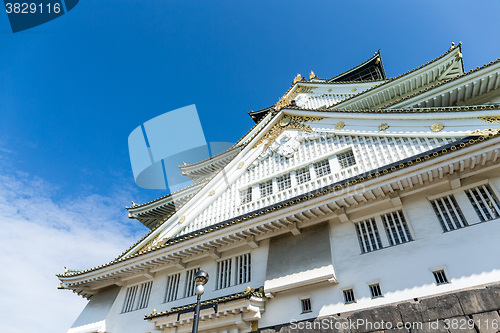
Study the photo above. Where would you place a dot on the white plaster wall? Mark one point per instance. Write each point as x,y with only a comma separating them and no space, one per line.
134,321
468,254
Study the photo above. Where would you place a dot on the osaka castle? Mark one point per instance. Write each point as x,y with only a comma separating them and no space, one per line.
357,203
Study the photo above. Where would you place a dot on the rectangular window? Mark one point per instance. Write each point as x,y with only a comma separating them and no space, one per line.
375,290
369,238
346,159
266,188
306,305
172,287
190,285
243,265
322,168
137,297
224,274
440,277
130,299
349,296
448,213
246,195
484,201
284,182
303,175
396,228
144,295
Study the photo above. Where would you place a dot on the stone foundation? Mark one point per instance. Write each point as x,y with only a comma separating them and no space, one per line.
468,311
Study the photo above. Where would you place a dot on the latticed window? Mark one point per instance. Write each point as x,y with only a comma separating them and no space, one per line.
306,305
266,188
484,201
246,195
172,287
349,296
448,213
440,276
137,297
396,228
130,299
346,159
303,175
190,284
375,290
284,182
243,268
322,168
369,238
224,274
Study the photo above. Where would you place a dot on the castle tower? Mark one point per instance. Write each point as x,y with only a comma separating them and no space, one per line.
358,198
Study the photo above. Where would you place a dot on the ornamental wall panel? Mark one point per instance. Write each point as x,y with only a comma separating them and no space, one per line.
294,150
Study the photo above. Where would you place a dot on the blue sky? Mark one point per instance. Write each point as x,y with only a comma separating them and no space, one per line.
72,90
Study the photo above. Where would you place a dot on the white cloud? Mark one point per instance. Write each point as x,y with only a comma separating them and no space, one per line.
40,235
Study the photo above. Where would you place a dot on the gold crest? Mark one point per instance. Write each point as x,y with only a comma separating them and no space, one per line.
383,127
339,125
437,127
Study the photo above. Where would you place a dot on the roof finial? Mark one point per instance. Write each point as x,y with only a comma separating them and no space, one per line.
134,204
297,78
312,75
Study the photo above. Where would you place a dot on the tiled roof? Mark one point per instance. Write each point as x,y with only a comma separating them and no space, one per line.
247,293
438,84
166,195
407,110
376,55
454,47
210,158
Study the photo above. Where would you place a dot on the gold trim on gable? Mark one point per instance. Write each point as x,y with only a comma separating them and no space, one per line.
286,123
491,120
485,132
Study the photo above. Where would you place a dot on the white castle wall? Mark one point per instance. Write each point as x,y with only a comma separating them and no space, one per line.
468,256
403,270
371,152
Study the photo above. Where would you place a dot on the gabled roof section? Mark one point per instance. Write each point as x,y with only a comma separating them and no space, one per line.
442,68
370,70
451,148
257,115
155,213
201,170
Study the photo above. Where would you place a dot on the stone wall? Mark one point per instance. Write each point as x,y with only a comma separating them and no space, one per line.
474,310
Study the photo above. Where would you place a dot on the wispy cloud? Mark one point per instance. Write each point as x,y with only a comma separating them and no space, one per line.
39,236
